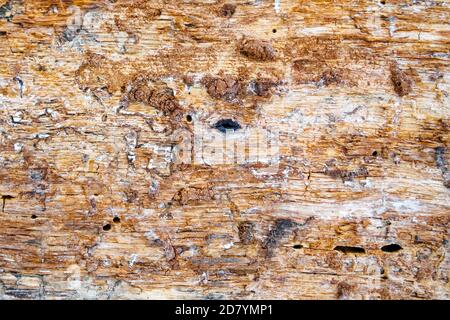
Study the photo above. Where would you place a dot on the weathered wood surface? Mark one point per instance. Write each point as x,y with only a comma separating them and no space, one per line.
94,207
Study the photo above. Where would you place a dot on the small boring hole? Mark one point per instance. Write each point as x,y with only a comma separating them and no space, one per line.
107,227
297,246
33,216
189,118
393,247
274,30
116,220
383,2
375,153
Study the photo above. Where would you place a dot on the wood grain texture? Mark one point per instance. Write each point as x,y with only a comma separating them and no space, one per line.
93,207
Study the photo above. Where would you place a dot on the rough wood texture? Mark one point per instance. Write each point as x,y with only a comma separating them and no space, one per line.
93,205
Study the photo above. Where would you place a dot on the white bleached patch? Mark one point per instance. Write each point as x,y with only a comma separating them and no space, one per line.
132,260
277,6
151,235
314,31
392,27
18,147
228,245
41,135
407,206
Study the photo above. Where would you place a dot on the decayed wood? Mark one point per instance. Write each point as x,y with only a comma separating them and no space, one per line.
93,205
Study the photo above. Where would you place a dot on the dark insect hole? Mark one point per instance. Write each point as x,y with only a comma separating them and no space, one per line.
225,125
107,227
393,247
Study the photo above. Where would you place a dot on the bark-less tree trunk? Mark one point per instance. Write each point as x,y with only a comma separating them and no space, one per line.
130,165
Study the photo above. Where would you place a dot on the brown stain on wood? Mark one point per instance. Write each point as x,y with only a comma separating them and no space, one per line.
88,112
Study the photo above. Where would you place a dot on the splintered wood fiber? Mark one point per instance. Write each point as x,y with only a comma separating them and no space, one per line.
211,149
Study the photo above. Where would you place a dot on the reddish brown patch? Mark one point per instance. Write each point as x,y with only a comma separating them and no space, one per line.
344,290
330,77
227,10
192,194
231,89
246,232
154,93
256,49
402,83
225,88
188,80
262,87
